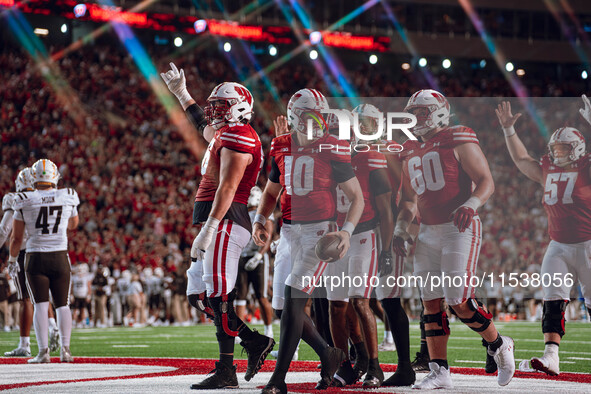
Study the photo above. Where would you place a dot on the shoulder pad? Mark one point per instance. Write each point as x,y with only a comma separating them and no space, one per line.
8,201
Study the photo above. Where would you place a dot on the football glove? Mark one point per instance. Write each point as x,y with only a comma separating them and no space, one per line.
385,265
176,83
253,262
204,238
13,267
401,236
586,112
462,217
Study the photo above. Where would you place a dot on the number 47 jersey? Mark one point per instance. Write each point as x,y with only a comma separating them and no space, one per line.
46,214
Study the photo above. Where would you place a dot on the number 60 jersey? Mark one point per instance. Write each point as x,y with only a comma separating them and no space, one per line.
309,176
46,214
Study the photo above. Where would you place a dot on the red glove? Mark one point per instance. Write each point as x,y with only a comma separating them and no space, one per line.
462,217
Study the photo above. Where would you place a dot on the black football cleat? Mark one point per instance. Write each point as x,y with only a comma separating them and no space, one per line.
361,365
345,375
491,365
275,388
223,378
257,350
421,363
331,360
373,378
404,376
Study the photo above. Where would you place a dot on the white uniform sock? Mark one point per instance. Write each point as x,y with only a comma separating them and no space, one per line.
389,337
551,348
52,323
269,330
24,342
41,324
64,320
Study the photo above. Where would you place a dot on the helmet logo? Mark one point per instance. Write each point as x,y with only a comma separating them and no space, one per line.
244,93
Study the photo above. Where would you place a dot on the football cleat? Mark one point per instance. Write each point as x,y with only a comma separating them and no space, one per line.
345,375
257,350
438,378
19,352
66,355
505,359
491,365
548,363
404,376
223,378
54,339
275,388
330,362
421,362
374,378
386,346
361,365
41,358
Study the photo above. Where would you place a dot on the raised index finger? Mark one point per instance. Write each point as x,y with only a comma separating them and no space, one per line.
173,68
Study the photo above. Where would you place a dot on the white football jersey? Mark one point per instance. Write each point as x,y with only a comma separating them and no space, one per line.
80,286
46,214
6,223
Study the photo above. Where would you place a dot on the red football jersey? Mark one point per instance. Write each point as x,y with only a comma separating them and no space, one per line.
435,174
241,138
363,164
307,176
567,200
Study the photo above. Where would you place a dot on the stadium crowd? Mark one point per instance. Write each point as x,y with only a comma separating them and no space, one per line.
114,143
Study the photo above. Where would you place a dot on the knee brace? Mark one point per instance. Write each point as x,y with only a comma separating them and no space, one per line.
480,316
553,317
225,318
439,318
200,302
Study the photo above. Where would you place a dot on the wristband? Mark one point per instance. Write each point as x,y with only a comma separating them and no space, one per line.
260,219
184,97
212,223
401,226
509,131
473,202
12,259
258,256
348,227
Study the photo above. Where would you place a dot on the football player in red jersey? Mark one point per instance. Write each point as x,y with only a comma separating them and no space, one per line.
229,170
439,172
363,260
308,175
565,174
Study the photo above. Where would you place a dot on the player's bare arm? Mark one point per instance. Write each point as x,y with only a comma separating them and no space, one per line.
73,222
524,162
383,205
407,210
232,167
395,170
260,234
352,190
16,238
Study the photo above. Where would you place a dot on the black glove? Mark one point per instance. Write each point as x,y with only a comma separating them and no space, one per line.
385,265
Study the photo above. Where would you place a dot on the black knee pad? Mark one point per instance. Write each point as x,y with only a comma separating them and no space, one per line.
553,317
225,318
481,315
439,318
201,303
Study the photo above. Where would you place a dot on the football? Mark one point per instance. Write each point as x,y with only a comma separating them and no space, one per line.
326,248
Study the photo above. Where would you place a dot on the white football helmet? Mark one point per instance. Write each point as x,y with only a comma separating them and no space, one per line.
304,105
159,272
24,180
83,269
255,197
44,171
148,273
229,102
569,136
369,120
126,275
431,109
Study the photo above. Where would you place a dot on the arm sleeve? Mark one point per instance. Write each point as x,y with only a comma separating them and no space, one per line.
275,173
5,226
342,171
379,182
197,117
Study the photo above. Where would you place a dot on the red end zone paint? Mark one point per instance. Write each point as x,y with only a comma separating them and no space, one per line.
187,366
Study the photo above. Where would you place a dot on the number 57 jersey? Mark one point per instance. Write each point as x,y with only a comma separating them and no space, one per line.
309,176
46,214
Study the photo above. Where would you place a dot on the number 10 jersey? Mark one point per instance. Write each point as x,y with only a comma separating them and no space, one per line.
46,214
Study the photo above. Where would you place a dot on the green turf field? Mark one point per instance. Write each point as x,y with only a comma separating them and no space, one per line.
465,349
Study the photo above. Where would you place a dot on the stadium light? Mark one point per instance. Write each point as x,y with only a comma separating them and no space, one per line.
509,66
520,72
446,63
405,66
584,74
41,32
64,28
373,59
422,62
482,63
178,42
313,54
272,50
227,47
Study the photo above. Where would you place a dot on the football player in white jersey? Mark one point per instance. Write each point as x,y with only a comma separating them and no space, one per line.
46,214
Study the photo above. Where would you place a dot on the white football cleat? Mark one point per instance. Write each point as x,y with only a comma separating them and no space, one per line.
438,378
19,352
386,346
505,359
54,339
41,358
549,363
66,355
